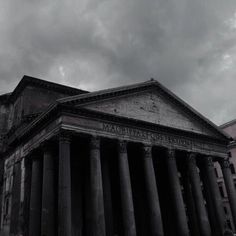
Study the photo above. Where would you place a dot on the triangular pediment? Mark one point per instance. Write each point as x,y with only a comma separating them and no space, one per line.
149,102
151,107
28,81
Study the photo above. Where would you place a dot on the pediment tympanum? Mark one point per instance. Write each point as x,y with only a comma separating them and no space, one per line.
153,107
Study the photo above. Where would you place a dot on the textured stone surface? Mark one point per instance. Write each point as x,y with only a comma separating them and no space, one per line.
104,170
32,99
4,113
151,107
15,212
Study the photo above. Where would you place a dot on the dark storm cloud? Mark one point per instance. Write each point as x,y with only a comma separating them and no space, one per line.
187,45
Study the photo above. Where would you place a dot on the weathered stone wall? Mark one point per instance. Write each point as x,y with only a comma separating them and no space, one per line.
12,194
16,203
7,194
230,130
151,107
32,100
4,123
36,100
4,114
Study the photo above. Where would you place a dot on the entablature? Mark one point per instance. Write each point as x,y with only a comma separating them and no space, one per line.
86,122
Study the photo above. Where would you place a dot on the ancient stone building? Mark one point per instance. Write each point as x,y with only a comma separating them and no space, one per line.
132,160
230,129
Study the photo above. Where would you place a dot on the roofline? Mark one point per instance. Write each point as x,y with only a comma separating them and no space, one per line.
4,97
194,111
148,83
129,88
106,91
28,80
56,108
227,124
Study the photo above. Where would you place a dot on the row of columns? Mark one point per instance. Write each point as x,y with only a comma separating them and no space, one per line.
42,202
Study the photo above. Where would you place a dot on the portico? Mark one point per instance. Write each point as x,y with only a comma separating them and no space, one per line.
97,208
106,158
130,161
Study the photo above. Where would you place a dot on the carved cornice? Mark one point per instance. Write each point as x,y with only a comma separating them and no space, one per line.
56,110
131,89
27,80
22,125
100,95
34,126
172,138
65,105
135,122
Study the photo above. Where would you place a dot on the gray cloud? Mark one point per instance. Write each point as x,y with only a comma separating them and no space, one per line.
187,45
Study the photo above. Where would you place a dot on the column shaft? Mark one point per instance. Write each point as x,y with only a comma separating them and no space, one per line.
107,193
97,204
48,194
15,226
176,193
35,198
64,187
204,225
229,184
152,194
126,191
26,203
191,206
214,193
209,204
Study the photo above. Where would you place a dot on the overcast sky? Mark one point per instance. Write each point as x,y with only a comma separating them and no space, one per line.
188,45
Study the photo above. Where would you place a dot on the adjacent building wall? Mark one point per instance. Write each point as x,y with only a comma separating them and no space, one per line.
230,129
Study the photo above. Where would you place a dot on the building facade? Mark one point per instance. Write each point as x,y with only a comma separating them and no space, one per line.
132,160
230,129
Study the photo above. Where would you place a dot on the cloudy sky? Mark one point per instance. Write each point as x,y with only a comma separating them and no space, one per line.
188,45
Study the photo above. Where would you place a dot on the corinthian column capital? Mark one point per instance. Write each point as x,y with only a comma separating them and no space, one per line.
225,163
95,142
171,154
192,158
209,161
64,136
122,146
147,151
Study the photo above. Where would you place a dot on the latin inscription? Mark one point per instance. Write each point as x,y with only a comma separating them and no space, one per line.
163,139
146,135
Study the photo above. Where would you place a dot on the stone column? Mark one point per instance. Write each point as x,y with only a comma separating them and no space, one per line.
190,205
26,201
35,198
48,193
15,224
64,187
176,194
212,185
155,218
204,225
126,191
97,204
229,184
